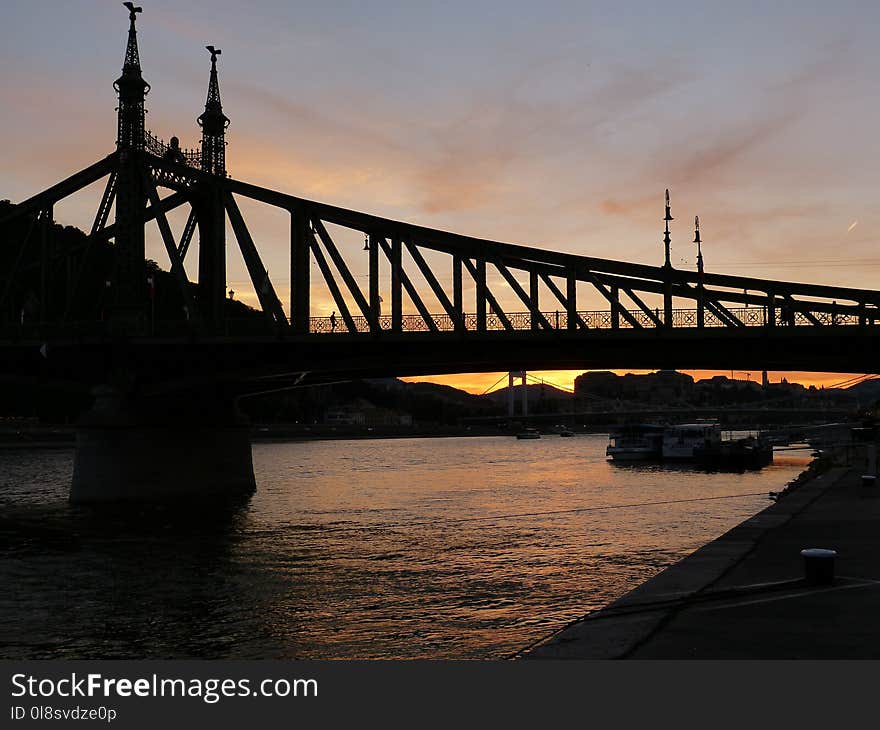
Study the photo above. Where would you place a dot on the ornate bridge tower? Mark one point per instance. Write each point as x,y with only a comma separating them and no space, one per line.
128,282
186,442
211,209
214,124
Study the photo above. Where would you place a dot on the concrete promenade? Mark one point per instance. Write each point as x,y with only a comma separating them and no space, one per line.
743,596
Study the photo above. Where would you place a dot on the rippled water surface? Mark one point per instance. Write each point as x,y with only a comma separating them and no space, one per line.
459,548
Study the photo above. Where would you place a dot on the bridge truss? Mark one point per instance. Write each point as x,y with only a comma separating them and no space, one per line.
638,296
443,286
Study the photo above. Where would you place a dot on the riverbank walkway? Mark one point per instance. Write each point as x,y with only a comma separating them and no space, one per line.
744,596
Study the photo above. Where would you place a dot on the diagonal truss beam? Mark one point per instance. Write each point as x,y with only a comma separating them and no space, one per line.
171,248
797,306
66,187
551,285
712,303
107,232
347,277
600,287
410,289
330,280
521,293
259,276
106,204
166,205
186,237
431,279
489,297
644,307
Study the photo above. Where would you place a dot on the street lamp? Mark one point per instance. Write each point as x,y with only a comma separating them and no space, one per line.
666,239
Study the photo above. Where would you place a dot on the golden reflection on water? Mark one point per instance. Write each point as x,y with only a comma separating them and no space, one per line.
356,549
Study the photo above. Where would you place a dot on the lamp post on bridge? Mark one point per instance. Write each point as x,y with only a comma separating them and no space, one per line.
700,311
667,267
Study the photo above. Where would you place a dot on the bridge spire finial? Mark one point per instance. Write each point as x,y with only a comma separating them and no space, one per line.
132,59
699,242
132,89
666,238
214,123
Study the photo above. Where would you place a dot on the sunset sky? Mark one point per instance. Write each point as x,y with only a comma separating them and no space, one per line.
553,124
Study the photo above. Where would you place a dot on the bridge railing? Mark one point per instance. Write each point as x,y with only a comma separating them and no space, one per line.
518,321
593,319
189,157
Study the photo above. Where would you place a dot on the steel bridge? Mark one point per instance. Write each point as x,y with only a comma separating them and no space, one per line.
655,316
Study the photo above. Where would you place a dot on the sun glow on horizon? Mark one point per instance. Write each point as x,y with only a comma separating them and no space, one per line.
478,383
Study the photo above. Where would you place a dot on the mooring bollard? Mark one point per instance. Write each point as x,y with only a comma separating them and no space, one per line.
819,565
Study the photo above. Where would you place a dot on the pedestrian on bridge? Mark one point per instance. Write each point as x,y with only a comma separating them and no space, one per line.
333,321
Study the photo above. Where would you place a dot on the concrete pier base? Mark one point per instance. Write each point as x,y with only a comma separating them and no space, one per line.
130,450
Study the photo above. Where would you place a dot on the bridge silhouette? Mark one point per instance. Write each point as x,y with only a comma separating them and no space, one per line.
167,387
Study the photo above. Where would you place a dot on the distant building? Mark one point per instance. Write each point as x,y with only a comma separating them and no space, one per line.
601,383
663,386
345,416
363,413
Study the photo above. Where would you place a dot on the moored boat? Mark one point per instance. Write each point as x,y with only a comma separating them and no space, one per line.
681,441
636,442
737,454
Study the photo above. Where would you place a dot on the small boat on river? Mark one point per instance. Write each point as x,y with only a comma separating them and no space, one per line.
750,452
636,442
700,443
681,441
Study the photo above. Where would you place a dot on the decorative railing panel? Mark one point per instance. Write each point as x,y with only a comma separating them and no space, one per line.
594,319
189,157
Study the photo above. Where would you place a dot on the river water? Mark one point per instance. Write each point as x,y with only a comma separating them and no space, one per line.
399,548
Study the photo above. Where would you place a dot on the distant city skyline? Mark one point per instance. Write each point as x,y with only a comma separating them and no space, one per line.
557,125
478,382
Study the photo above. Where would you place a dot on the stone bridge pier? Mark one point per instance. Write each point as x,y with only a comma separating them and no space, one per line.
180,447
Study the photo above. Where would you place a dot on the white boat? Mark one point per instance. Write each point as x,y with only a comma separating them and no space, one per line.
680,441
637,442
